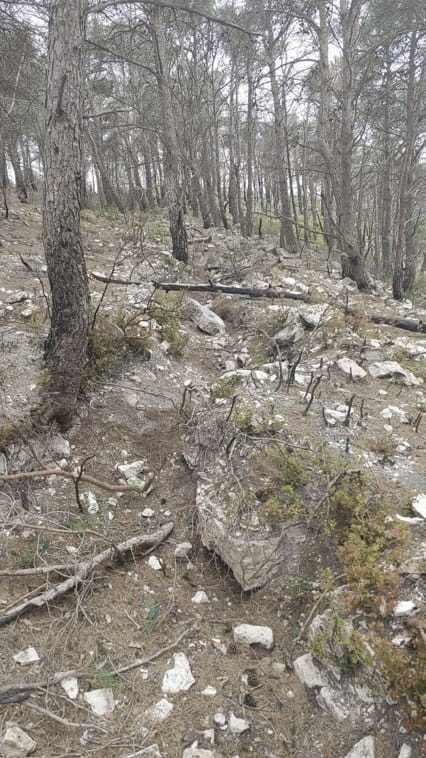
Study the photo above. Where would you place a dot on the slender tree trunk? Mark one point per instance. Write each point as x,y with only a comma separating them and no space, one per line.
250,144
288,238
20,186
386,190
172,183
66,347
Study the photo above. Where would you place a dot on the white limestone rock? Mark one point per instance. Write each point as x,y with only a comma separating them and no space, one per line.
131,470
70,687
393,370
406,751
101,702
16,743
330,700
238,726
351,368
249,634
365,748
27,657
206,320
200,598
404,608
419,505
159,712
307,672
179,678
183,550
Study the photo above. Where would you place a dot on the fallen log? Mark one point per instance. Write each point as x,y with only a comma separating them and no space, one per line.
269,292
84,569
408,324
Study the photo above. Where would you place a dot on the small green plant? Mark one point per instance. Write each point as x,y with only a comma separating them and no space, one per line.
244,419
225,387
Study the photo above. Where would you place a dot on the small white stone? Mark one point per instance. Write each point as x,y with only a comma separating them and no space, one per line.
92,504
195,752
148,513
101,702
131,470
25,657
363,749
16,743
404,608
154,563
254,635
406,751
351,368
209,692
220,720
238,726
159,712
179,678
200,598
70,687
419,505
307,672
183,550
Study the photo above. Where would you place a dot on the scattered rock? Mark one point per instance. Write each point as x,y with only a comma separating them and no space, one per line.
351,368
363,749
200,598
248,634
60,447
220,720
289,335
195,752
307,672
332,701
312,315
158,712
155,563
209,692
392,411
238,726
148,513
16,743
393,370
131,470
89,499
153,751
70,687
253,557
179,678
101,702
405,752
419,505
206,320
26,657
404,608
183,550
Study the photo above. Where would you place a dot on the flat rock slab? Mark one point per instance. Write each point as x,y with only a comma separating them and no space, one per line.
16,743
253,555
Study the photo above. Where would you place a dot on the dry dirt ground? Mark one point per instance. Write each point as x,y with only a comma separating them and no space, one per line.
128,610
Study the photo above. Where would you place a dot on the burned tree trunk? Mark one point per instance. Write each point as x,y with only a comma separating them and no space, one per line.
66,347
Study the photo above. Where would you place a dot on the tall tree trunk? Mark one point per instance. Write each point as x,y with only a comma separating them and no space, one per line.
172,183
288,238
66,347
386,189
353,264
250,144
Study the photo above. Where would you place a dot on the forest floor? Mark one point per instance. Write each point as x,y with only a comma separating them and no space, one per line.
207,414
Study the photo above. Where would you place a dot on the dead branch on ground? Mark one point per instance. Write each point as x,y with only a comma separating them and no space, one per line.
83,570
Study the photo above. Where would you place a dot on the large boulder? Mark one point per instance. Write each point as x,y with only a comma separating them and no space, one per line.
254,555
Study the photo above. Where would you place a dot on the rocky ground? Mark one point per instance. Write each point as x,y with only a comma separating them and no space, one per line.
283,439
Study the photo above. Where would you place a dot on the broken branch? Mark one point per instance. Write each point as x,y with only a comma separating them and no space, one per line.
84,569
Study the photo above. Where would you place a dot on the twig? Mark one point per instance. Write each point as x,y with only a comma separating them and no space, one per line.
347,420
311,399
153,656
77,481
44,473
83,570
40,281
